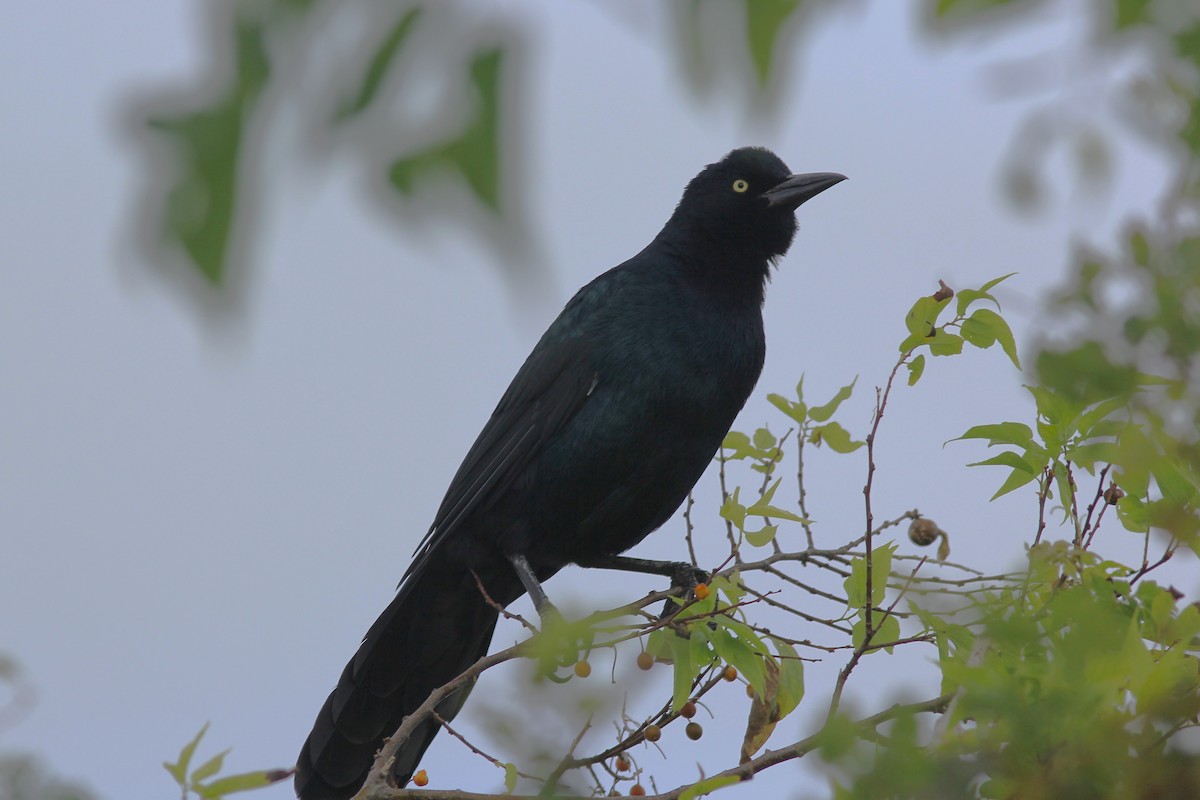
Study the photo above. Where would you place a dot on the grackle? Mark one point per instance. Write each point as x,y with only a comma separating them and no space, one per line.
608,424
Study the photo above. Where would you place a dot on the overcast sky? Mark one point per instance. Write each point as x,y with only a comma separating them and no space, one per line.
199,523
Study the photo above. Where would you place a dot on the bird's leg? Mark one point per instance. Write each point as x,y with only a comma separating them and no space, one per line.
533,587
682,575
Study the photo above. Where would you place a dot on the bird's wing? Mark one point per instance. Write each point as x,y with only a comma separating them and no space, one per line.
549,389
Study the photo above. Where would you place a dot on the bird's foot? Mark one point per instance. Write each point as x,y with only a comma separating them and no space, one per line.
684,578
549,615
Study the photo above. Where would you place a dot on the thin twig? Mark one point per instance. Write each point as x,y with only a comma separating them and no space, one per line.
495,761
504,612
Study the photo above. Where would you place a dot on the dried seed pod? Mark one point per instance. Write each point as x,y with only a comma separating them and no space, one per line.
923,531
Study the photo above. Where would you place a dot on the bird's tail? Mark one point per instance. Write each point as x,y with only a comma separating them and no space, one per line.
438,625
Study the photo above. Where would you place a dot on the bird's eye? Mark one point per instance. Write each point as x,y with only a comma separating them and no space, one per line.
740,186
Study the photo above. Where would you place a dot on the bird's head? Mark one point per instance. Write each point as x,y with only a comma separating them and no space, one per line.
742,207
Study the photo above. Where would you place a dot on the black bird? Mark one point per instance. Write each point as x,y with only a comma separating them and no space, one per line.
608,424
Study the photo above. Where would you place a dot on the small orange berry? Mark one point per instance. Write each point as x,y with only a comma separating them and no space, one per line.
637,790
694,731
622,763
689,710
583,668
701,591
645,660
421,778
730,673
749,690
652,733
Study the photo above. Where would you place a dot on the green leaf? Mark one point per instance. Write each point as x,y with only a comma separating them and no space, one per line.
943,8
739,443
1130,13
914,341
834,435
888,631
764,20
210,767
510,777
769,494
475,153
1093,453
734,511
1001,330
701,652
1008,459
1101,413
743,632
242,782
967,296
797,411
729,586
822,413
916,368
738,653
855,584
200,206
379,64
922,317
763,537
978,333
708,785
763,508
994,282
881,569
764,439
1014,433
945,344
858,632
180,768
681,655
1016,479
1134,514
1139,248
791,678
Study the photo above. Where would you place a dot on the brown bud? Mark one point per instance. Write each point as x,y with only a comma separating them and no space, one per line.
1113,494
944,292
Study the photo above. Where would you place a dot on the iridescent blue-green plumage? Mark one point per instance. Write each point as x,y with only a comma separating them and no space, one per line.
606,427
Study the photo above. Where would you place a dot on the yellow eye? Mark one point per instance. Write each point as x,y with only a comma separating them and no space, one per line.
740,186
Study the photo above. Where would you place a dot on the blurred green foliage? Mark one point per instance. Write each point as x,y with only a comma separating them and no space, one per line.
210,147
216,140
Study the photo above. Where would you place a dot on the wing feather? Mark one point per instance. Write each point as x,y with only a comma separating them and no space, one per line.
546,393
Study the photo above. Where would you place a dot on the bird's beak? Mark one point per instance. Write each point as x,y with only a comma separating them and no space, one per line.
799,188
